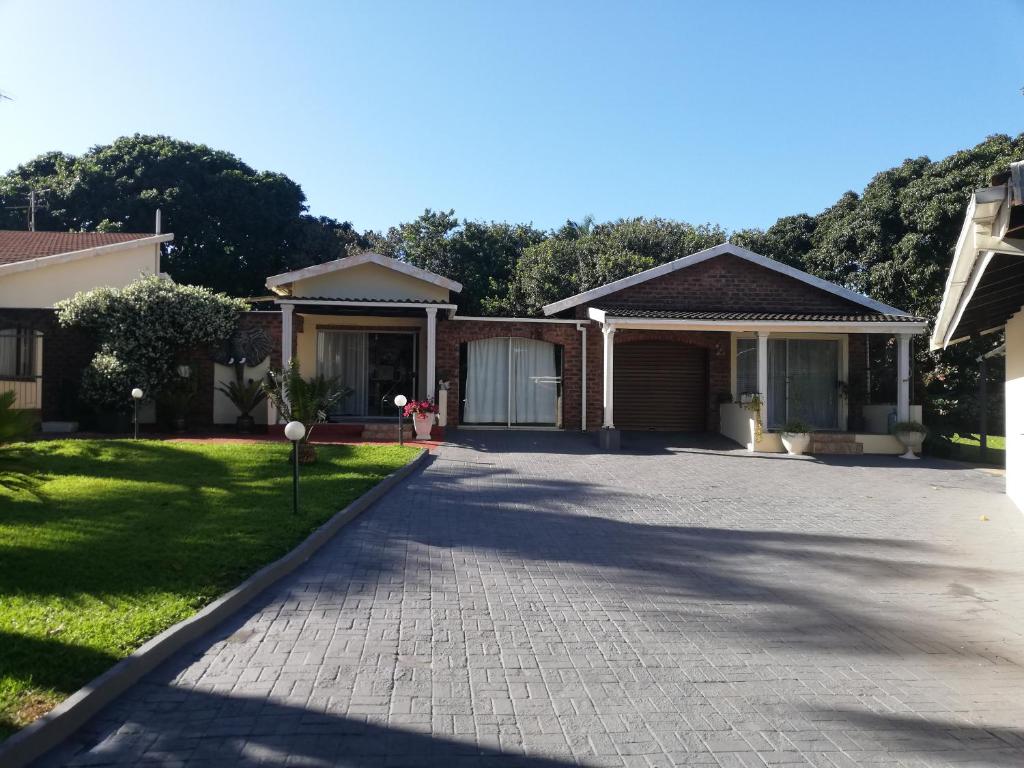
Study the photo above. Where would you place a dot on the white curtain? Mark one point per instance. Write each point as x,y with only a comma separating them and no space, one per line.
8,352
813,376
534,382
342,354
487,379
802,382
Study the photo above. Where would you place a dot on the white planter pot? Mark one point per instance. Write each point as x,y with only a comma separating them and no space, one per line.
422,422
912,442
796,443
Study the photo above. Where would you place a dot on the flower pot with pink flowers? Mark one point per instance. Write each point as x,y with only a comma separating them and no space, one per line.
423,413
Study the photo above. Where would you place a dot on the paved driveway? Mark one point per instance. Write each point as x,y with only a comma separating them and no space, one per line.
527,601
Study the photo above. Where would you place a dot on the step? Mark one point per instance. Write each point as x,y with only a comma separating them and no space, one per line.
837,447
834,437
386,432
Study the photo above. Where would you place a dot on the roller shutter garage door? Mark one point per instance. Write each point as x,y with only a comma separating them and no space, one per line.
660,386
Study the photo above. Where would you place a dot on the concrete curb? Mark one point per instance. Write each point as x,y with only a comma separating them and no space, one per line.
48,732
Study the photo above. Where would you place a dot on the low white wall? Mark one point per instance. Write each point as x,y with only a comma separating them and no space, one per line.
876,417
1015,409
224,412
737,423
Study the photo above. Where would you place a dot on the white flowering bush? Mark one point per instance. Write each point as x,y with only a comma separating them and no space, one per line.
144,330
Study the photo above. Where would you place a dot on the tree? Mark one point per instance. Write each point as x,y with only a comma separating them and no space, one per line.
578,257
233,225
480,255
144,330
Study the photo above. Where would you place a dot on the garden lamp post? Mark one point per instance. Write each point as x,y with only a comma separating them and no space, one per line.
136,396
400,401
295,431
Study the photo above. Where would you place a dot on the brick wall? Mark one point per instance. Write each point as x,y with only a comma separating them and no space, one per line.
65,355
726,283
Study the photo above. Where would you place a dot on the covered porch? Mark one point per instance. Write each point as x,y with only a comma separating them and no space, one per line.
757,372
378,349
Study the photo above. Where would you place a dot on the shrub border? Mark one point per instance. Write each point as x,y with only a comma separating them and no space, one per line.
49,731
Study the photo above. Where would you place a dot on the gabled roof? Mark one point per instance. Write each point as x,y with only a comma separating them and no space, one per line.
18,246
276,282
710,253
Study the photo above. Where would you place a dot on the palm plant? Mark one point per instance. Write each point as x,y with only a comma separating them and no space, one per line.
303,400
245,395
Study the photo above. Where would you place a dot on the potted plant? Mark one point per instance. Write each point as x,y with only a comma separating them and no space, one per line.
304,400
178,394
245,395
422,412
911,434
796,437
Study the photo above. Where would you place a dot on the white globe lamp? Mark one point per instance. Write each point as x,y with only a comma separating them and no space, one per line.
400,401
294,431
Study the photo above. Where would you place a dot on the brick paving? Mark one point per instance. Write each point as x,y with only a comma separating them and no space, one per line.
527,601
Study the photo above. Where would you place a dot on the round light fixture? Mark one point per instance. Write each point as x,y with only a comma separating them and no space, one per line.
400,401
294,431
137,393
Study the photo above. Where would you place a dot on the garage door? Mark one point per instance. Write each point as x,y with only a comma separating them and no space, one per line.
660,385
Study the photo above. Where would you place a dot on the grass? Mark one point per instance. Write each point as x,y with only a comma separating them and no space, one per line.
967,447
105,543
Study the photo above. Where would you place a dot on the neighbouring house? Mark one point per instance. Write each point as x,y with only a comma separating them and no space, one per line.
41,362
724,340
985,294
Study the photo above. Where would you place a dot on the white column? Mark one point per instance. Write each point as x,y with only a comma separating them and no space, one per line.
431,352
903,377
609,373
763,366
287,310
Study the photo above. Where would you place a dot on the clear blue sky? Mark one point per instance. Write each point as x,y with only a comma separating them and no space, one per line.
733,112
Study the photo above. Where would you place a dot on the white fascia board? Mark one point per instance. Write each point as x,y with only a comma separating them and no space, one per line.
545,320
86,253
274,281
810,326
710,253
368,304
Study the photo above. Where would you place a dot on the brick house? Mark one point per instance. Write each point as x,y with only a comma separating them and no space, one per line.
713,342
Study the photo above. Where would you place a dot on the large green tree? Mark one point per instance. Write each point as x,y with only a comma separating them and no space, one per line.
233,225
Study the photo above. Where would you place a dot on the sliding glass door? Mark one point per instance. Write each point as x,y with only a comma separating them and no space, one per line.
375,366
511,382
803,376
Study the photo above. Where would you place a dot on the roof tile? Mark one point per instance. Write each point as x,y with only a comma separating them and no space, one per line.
17,246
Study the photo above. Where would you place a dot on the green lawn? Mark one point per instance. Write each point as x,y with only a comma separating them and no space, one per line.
968,448
105,543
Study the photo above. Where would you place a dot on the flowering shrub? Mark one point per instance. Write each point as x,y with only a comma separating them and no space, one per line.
419,406
143,330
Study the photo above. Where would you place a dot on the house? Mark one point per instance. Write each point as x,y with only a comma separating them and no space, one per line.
41,362
985,294
724,340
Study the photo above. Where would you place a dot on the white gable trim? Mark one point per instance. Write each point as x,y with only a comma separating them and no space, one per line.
62,258
276,283
710,253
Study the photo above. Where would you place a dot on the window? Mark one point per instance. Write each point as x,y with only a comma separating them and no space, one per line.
511,381
746,367
17,353
802,382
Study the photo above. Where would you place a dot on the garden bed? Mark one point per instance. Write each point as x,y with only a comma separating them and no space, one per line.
103,544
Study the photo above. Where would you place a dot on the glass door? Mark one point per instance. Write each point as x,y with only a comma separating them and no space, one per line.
374,366
803,376
512,382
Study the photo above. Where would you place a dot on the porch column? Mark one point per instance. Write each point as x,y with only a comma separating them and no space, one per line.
431,352
762,373
287,310
609,379
903,377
